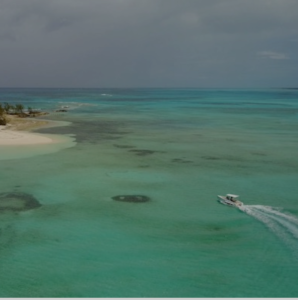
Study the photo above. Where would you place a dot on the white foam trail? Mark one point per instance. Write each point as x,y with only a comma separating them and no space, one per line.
284,225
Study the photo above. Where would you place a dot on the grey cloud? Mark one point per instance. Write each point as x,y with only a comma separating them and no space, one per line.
146,42
273,55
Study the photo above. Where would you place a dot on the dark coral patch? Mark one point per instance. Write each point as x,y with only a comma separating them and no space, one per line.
142,152
17,201
258,153
180,160
123,146
210,157
131,198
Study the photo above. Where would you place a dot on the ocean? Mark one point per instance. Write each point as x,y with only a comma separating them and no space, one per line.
179,148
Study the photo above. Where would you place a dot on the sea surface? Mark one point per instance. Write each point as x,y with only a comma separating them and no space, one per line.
179,147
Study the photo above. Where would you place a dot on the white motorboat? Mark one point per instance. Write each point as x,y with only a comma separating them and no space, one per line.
230,200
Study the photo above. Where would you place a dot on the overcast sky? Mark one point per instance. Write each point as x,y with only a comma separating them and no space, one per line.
149,43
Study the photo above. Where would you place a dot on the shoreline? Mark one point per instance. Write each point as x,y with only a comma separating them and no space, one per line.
19,131
15,137
16,123
17,140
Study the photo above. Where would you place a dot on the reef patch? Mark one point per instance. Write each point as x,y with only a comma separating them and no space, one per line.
131,198
180,160
210,157
144,152
123,146
17,201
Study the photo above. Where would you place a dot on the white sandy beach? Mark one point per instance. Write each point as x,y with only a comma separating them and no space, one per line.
11,137
16,142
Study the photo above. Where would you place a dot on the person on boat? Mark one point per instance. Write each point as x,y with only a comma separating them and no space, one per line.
231,198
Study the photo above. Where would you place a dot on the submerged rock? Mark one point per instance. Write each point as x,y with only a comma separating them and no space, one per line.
131,198
123,146
143,152
17,201
180,160
140,152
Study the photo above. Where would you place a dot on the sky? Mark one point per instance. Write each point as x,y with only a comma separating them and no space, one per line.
149,43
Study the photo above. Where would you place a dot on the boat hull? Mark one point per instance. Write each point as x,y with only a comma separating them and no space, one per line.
225,201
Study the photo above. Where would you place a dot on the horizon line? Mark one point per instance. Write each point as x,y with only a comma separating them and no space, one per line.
198,88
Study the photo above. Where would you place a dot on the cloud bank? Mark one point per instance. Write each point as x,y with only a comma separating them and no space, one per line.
148,43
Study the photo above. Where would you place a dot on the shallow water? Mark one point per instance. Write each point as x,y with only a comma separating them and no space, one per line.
181,148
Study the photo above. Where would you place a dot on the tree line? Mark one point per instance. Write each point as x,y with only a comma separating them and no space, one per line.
10,109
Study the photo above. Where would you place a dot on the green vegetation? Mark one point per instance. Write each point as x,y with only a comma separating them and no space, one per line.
2,116
1,110
17,110
7,107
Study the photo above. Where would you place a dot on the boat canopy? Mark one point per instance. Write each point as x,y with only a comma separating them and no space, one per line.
233,196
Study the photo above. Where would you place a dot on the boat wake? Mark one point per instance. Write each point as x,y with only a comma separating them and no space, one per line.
284,225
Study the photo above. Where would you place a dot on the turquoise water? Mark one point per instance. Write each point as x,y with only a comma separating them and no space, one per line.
182,243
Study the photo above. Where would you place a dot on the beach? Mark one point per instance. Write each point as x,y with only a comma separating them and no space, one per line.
17,139
16,132
13,137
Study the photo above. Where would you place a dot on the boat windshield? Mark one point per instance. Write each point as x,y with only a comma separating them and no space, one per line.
231,196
